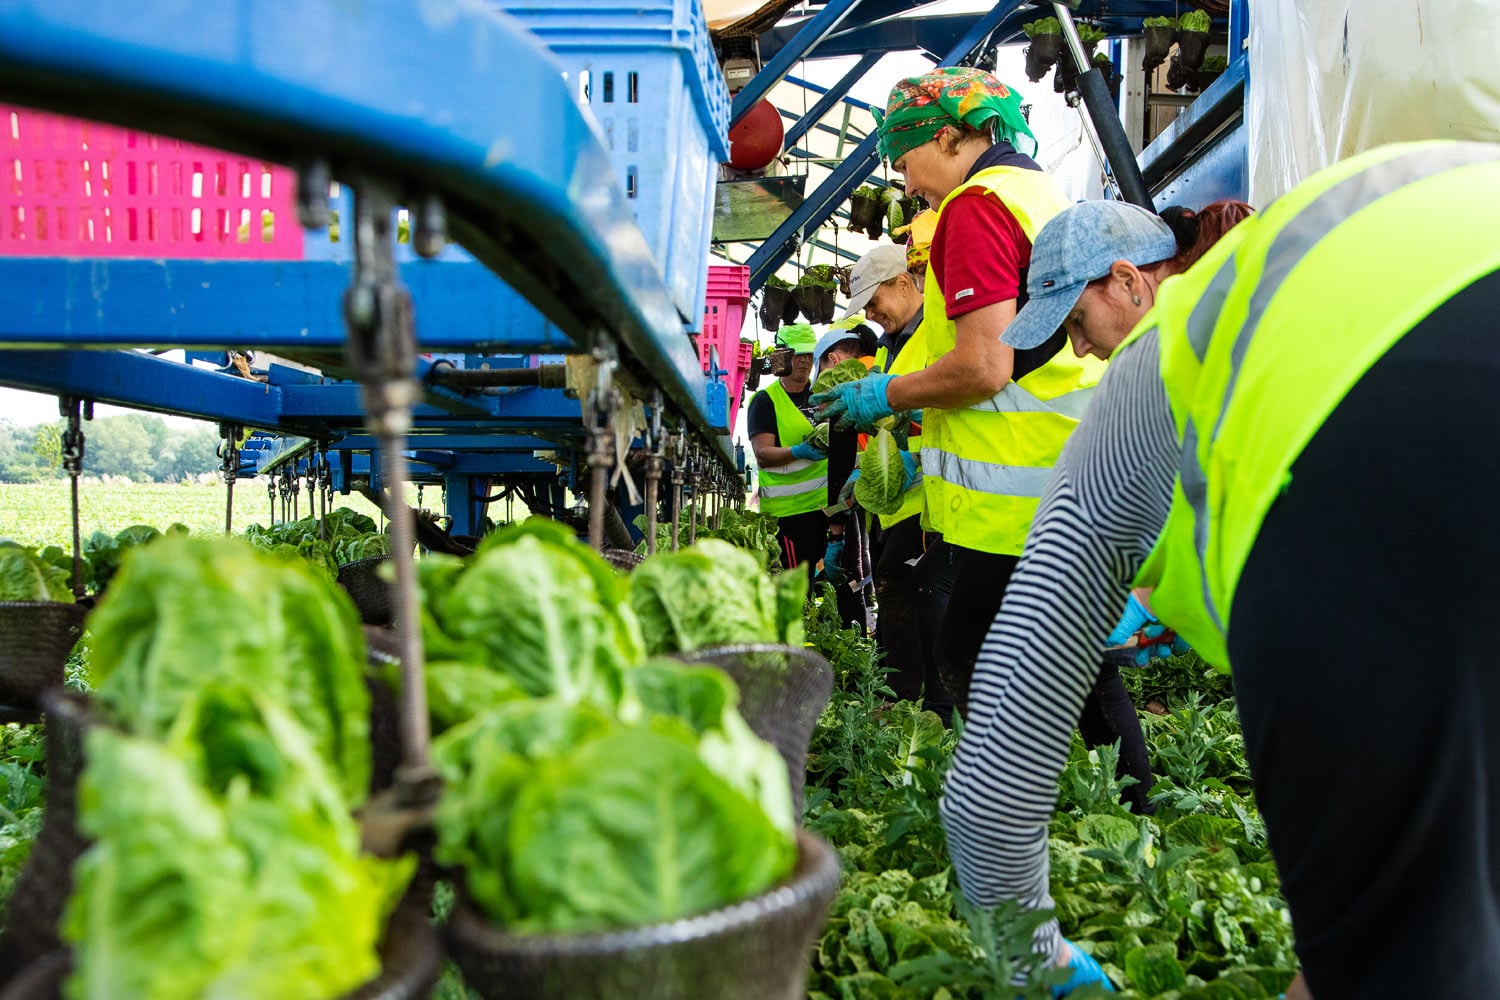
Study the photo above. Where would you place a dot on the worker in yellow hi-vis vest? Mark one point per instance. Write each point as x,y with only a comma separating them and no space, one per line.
994,419
793,471
1298,445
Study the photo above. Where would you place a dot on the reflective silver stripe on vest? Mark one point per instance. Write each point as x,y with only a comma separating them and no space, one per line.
1015,399
985,477
1288,248
794,466
1205,314
794,489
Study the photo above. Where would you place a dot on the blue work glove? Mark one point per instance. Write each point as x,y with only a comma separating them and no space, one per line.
809,451
833,561
846,494
913,474
858,404
1132,621
1085,970
1157,643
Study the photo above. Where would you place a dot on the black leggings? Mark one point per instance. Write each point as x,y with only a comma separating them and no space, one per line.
960,591
1364,642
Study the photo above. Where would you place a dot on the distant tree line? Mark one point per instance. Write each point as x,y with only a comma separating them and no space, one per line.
135,445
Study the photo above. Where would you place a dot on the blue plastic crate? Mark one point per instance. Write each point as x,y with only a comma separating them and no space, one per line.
648,74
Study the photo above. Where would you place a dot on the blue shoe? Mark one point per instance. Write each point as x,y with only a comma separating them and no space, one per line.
1085,970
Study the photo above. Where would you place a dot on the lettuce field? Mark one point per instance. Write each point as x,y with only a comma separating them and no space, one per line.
38,513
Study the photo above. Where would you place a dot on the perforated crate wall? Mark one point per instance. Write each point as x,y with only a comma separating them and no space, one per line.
647,73
76,188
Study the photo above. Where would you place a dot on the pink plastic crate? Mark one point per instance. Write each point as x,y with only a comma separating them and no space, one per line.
75,188
723,317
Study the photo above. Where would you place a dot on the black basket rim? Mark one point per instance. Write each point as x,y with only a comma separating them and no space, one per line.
69,607
816,874
807,653
360,564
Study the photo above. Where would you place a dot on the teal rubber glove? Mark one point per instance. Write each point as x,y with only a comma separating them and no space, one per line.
1157,643
1085,970
857,404
913,475
846,494
808,452
1135,618
833,561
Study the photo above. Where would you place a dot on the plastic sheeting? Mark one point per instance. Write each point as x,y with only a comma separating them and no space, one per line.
1330,78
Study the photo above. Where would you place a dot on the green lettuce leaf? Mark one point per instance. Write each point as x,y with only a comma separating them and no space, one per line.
713,594
26,577
188,612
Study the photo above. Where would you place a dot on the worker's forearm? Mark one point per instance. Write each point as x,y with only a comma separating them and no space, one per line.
949,383
773,456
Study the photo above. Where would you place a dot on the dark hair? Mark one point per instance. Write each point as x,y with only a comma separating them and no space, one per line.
1197,232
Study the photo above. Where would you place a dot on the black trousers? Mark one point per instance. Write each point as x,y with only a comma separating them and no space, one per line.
803,538
960,591
1364,642
897,630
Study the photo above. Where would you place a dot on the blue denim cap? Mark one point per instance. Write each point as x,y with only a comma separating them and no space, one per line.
1076,247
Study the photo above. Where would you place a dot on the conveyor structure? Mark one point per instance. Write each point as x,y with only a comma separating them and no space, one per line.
484,134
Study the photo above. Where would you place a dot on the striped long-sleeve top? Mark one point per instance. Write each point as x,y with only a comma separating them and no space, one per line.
1104,507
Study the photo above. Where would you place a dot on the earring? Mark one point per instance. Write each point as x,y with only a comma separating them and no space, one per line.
1135,299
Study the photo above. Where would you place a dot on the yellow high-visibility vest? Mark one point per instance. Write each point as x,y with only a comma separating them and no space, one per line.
984,466
1256,352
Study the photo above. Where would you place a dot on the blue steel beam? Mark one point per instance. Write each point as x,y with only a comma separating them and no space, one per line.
1218,107
848,175
936,33
400,92
809,34
147,382
125,302
832,96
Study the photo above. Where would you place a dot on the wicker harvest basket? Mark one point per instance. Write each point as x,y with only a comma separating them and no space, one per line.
35,640
753,950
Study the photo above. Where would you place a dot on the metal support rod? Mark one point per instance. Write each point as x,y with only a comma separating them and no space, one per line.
655,463
821,204
679,456
603,403
1105,116
544,376
694,476
229,435
807,38
72,408
834,95
382,350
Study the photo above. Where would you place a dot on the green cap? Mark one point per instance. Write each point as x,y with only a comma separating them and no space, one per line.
799,337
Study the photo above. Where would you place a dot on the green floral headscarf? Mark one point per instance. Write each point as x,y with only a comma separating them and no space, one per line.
921,106
799,337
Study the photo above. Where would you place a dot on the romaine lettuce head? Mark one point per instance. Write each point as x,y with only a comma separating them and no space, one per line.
538,606
634,828
24,576
186,613
882,475
255,890
713,594
848,370
706,701
484,764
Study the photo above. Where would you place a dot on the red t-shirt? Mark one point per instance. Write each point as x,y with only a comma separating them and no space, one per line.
979,252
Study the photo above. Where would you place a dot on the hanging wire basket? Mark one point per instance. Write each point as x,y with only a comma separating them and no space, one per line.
35,640
783,690
753,950
368,589
29,941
